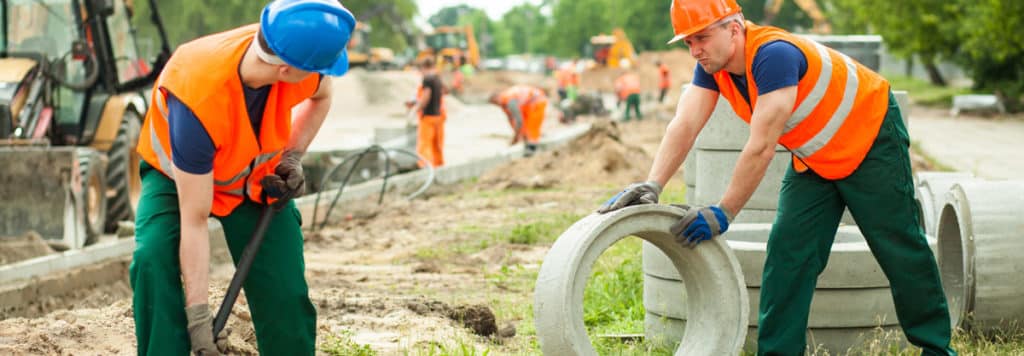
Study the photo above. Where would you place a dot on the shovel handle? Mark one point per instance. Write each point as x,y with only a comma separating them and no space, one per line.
242,270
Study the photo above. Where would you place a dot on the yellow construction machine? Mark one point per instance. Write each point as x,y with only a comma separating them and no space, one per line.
74,80
451,46
361,54
612,50
810,7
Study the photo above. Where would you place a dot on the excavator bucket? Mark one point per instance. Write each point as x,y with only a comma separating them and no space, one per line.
54,191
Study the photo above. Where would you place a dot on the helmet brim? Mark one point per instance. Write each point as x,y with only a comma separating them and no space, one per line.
339,68
676,39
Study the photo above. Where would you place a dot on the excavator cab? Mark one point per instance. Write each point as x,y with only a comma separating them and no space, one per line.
611,51
75,76
452,46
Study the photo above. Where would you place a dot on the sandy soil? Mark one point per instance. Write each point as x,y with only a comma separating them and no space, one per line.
401,277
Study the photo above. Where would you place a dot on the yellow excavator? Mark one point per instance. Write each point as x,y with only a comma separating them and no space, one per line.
613,50
821,24
74,81
451,46
361,54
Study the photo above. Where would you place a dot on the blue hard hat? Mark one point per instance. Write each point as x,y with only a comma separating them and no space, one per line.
311,35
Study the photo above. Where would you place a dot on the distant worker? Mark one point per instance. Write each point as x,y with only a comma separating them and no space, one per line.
219,140
429,108
850,150
627,86
664,80
567,80
524,106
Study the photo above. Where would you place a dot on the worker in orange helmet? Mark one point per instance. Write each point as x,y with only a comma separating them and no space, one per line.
627,86
524,106
664,80
231,116
849,150
428,106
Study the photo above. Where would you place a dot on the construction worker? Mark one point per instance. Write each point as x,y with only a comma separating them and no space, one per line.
627,86
430,110
664,80
524,106
849,149
221,141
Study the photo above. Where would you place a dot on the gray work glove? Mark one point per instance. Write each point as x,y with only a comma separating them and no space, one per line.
634,194
700,223
287,182
200,331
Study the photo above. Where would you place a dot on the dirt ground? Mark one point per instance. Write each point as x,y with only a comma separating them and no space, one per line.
411,275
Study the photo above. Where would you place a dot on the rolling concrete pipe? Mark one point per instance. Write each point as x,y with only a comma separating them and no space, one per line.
931,195
981,234
718,304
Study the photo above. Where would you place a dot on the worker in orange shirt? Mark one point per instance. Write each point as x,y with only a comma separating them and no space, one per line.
627,86
428,106
524,105
663,80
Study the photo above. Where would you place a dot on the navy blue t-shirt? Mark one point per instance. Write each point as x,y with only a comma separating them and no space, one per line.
191,147
778,64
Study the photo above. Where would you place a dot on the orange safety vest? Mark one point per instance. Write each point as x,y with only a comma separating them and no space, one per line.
839,105
627,84
203,75
665,82
523,93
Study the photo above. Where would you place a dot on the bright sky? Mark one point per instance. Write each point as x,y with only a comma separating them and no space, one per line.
494,8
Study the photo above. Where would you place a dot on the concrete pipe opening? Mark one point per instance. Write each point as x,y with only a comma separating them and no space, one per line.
718,304
981,224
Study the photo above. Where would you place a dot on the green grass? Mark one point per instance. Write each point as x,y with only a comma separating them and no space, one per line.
529,229
925,93
935,164
341,344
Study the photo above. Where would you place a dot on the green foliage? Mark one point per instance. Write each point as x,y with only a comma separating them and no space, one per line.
341,344
993,49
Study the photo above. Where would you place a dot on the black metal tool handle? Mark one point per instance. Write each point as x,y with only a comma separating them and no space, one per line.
242,270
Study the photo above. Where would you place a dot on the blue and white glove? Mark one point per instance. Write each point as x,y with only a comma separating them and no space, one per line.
700,224
634,194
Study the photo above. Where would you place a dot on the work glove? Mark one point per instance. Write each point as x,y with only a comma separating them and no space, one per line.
200,331
634,194
287,182
700,223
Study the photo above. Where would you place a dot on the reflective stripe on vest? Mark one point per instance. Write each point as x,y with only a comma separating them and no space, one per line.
818,93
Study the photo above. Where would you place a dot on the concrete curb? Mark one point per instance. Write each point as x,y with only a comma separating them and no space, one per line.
980,238
830,308
851,264
719,300
661,330
122,247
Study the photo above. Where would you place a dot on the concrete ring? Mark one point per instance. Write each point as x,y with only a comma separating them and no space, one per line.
830,308
715,284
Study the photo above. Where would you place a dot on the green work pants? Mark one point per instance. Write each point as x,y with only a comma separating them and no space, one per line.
880,195
276,290
632,103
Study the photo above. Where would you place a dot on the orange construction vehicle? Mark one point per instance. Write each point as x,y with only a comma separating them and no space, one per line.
451,46
612,50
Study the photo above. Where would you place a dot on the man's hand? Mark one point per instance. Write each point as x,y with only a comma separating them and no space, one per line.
200,331
288,181
634,194
701,223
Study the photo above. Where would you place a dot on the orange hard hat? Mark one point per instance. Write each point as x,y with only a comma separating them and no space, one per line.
691,16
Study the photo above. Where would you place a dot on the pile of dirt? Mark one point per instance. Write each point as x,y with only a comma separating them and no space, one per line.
599,155
20,248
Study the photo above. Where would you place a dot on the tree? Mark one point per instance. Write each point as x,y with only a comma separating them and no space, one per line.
925,28
524,28
992,48
390,21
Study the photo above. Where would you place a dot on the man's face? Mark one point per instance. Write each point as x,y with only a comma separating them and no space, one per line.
712,46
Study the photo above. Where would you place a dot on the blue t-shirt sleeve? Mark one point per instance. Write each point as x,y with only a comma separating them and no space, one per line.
191,147
777,65
704,80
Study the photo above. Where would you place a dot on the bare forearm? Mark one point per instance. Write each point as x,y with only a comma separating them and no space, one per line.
674,146
750,169
309,116
194,257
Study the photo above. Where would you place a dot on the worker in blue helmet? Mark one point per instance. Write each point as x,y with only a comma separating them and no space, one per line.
232,115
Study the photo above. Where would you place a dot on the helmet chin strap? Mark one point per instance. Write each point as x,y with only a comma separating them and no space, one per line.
264,54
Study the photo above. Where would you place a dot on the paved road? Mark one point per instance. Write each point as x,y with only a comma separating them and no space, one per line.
990,148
